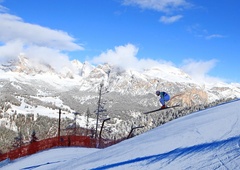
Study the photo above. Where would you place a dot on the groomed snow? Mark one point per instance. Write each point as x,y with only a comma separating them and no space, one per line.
208,139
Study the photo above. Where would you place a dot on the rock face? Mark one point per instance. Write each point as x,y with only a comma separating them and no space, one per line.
32,87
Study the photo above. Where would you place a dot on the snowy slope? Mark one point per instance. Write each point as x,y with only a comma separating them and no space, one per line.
205,139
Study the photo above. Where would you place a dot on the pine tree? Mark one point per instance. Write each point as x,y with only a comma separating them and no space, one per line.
33,137
87,116
18,141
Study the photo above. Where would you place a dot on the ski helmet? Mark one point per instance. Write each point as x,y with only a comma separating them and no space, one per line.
157,92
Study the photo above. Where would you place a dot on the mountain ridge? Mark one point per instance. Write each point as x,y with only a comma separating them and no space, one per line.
39,89
84,77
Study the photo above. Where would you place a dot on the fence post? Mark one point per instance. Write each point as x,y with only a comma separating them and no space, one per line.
100,135
59,126
129,135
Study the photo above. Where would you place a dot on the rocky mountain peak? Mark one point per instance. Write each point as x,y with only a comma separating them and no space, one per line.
23,64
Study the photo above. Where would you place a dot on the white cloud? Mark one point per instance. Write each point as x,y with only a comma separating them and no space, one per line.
57,59
35,41
11,49
169,20
3,9
199,70
159,5
54,57
125,57
199,32
13,27
214,36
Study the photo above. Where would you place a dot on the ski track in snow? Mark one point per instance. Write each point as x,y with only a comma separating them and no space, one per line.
37,166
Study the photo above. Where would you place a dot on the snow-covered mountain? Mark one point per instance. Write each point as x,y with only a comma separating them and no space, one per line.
85,77
208,139
33,87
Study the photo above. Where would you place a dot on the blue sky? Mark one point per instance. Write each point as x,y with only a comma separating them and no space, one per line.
200,37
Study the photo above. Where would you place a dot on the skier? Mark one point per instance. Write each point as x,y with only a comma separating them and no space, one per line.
164,97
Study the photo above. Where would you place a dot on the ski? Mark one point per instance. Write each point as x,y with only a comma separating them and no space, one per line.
161,109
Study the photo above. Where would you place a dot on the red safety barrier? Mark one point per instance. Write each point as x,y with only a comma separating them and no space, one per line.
66,141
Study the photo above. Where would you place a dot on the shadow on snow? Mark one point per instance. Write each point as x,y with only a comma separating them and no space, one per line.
176,153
